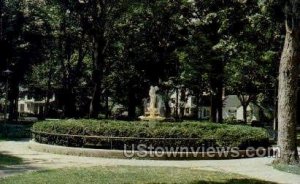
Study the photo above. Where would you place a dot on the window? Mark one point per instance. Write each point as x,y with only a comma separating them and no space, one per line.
22,107
231,111
206,113
29,107
36,109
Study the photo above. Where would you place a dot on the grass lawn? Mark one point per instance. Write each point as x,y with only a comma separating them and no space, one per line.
288,168
127,175
6,160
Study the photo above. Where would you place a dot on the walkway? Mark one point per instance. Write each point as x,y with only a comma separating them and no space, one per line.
258,168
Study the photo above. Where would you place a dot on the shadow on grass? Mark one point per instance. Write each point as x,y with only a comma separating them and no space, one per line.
7,160
12,165
235,181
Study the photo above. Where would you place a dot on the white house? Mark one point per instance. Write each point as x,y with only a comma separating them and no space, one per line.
253,113
32,106
233,110
231,105
190,107
204,113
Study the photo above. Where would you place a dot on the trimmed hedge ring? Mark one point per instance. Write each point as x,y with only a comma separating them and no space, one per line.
116,134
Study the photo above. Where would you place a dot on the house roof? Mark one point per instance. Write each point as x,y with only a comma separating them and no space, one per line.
232,101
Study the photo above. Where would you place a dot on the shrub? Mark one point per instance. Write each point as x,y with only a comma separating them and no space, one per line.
15,131
115,134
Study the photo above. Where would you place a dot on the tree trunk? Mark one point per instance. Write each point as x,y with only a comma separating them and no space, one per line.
213,109
13,98
217,84
245,101
47,102
1,19
177,104
107,110
220,104
298,109
95,106
196,115
182,102
287,101
167,105
275,121
49,93
69,103
131,105
47,105
245,113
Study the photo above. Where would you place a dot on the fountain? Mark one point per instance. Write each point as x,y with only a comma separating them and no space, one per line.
153,113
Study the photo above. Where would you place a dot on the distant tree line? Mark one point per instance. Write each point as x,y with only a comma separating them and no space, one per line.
89,52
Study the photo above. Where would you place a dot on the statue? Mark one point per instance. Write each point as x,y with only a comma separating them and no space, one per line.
153,100
153,112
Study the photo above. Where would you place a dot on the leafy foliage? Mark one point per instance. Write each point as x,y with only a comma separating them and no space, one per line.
95,54
187,134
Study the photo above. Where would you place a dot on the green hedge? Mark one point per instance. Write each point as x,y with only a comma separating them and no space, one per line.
194,134
15,131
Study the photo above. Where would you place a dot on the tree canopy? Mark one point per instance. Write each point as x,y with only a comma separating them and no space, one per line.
93,54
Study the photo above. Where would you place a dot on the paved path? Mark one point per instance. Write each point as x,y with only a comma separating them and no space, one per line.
255,167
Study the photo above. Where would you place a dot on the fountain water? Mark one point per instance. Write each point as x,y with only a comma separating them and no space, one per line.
153,112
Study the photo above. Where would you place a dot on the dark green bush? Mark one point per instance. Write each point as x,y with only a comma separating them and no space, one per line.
114,134
15,131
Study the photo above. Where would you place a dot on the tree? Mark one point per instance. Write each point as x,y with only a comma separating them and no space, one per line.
61,71
239,32
218,20
23,33
288,83
144,50
249,72
73,51
194,68
103,14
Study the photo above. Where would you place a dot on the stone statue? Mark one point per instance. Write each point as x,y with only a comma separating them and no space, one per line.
153,97
153,112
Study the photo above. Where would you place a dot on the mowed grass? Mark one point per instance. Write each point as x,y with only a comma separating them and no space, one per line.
7,160
288,168
117,175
